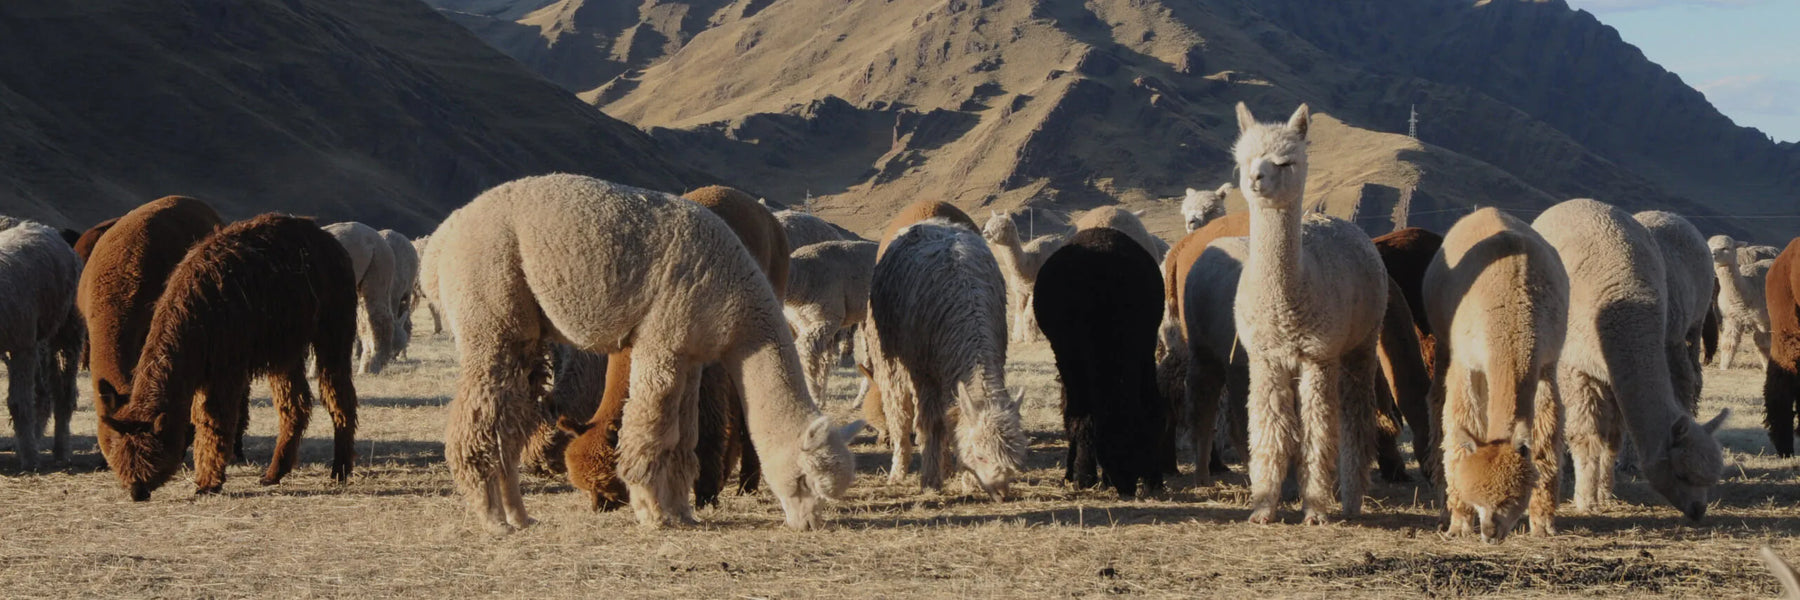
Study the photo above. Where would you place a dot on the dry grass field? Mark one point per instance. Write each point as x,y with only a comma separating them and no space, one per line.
397,529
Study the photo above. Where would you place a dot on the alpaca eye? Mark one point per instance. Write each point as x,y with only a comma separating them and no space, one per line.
1284,165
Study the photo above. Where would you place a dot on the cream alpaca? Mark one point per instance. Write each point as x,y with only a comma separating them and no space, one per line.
419,298
1497,296
39,273
804,229
1613,374
1200,207
1687,269
827,295
1742,308
1309,312
937,340
1020,263
523,265
406,282
374,264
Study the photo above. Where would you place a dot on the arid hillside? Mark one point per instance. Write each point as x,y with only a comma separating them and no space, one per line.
378,110
1065,104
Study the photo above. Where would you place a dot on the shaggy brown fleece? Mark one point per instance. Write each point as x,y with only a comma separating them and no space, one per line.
248,301
84,245
1406,253
1781,379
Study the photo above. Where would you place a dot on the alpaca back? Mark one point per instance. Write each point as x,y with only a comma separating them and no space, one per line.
1617,287
406,267
1189,248
1206,305
803,229
920,211
126,274
1687,270
1782,293
39,274
836,271
84,245
937,300
1406,253
759,232
1039,250
1113,217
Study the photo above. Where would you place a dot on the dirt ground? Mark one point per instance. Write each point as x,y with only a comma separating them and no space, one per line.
397,529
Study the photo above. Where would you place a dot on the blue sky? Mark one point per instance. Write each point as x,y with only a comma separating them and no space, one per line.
1743,54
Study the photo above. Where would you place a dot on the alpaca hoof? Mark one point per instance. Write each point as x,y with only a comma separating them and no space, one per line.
1313,518
269,480
521,522
1262,516
340,473
498,527
1546,530
208,490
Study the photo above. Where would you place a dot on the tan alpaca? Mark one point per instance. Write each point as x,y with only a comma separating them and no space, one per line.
1614,375
1200,207
1308,313
804,229
374,264
1688,275
419,297
1497,296
1742,308
1127,222
827,295
1020,263
602,266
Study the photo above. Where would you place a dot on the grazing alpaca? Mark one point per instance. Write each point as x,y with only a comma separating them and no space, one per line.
1498,296
39,333
1742,310
524,264
1020,263
1126,222
593,458
920,211
251,300
375,273
827,295
803,229
1687,268
84,245
419,297
575,382
1200,207
125,275
1308,312
406,280
1613,374
937,341
1781,378
1748,254
1100,303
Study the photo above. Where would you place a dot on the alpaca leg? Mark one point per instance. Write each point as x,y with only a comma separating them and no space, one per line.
658,437
1779,396
1762,345
1388,460
293,402
1682,377
381,333
1730,333
814,345
1357,426
1237,409
338,393
493,377
1546,454
1461,415
1205,380
710,447
1587,437
934,436
21,400
1274,434
217,412
900,414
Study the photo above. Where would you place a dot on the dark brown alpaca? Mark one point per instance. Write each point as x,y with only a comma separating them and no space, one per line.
125,274
1406,253
591,458
251,300
84,245
1781,383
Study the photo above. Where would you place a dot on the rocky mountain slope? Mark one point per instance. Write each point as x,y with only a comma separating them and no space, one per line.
378,110
1067,104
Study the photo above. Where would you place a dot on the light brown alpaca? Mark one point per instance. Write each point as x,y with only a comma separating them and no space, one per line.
1309,313
1497,295
525,264
919,211
1742,309
1020,263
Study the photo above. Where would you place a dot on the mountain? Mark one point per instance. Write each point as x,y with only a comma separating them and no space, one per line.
377,110
1068,104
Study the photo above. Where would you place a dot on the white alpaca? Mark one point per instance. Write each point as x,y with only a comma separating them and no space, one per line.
1216,361
1200,207
405,283
1614,373
1127,222
1309,312
39,274
1020,263
827,295
374,264
937,333
804,229
1742,308
1688,269
601,267
419,296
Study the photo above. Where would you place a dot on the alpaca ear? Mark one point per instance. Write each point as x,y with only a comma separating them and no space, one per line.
1712,427
1245,119
1139,213
1790,582
1301,120
573,426
818,433
849,431
1192,191
1226,189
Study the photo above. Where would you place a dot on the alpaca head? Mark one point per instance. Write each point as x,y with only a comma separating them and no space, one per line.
1688,465
1000,230
825,468
1495,478
1724,251
990,441
1201,207
143,453
1271,159
591,460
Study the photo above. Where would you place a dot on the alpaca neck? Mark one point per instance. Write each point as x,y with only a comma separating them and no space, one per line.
160,384
777,405
1274,262
1733,287
1011,257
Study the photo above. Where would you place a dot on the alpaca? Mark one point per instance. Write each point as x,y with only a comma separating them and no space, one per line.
1309,314
248,301
1020,263
937,341
375,272
1742,310
827,295
1126,222
804,229
419,297
1687,268
1100,303
1200,207
575,381
523,264
1407,253
1748,254
125,274
84,245
920,211
1784,573
1757,273
39,273
1175,369
1498,295
1781,378
406,280
592,459
1612,375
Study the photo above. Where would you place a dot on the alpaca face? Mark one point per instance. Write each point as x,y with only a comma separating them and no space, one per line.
1690,466
826,469
991,444
1495,478
1000,229
1271,159
1724,250
1201,207
143,454
589,459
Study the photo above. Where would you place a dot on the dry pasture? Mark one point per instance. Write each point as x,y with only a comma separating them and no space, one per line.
397,529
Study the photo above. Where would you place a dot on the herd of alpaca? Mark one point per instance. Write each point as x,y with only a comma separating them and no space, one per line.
646,345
